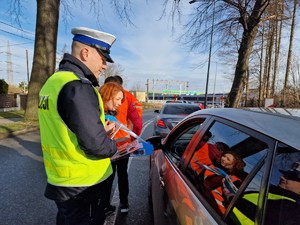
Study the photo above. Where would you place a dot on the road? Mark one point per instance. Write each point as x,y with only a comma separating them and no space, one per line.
23,182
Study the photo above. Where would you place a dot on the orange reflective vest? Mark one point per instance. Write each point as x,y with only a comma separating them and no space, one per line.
122,136
218,192
200,157
133,100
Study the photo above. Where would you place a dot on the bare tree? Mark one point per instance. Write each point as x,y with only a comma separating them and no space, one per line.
44,59
137,87
236,22
112,70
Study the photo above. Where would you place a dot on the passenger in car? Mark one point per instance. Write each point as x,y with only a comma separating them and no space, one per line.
207,154
226,175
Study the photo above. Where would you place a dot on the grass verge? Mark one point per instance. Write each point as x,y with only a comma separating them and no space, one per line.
11,128
13,114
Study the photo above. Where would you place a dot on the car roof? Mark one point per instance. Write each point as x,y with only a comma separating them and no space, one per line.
280,127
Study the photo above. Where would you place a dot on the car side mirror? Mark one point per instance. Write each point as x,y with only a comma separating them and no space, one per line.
156,110
155,141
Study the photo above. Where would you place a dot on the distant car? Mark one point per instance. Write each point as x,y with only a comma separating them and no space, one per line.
268,144
176,101
200,104
170,115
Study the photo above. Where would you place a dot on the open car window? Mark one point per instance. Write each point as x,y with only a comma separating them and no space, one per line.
217,178
181,139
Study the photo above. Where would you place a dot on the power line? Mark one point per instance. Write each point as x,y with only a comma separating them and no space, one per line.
17,35
24,43
25,31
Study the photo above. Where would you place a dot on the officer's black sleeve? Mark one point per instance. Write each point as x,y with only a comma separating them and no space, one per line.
78,107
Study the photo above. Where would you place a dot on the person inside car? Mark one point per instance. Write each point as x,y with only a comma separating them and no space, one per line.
215,178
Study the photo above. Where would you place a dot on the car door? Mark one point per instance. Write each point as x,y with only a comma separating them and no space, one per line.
173,200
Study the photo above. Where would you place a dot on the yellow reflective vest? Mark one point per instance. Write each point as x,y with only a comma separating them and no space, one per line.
253,198
65,163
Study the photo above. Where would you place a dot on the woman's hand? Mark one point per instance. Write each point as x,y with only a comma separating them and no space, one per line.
226,191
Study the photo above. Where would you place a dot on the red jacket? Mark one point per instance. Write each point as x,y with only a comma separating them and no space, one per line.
134,113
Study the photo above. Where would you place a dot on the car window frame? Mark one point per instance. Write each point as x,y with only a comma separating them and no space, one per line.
169,140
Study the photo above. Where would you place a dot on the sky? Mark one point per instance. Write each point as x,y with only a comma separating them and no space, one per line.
149,50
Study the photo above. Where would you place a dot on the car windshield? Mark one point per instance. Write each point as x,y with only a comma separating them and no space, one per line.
175,109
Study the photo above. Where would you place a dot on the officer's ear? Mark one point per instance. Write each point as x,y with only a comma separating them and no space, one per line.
85,53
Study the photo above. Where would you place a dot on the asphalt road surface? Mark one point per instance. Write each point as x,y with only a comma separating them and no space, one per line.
23,182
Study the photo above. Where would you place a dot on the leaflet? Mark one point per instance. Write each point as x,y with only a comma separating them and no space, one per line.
138,147
227,181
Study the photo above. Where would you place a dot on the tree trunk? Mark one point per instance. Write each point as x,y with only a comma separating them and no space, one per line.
269,62
278,43
247,88
289,58
261,86
238,84
44,52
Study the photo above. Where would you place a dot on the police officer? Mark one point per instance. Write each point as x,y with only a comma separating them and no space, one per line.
283,203
74,139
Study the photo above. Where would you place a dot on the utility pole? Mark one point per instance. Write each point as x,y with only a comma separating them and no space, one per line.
147,90
27,67
153,90
10,78
209,55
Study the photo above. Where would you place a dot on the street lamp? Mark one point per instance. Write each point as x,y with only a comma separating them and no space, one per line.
210,48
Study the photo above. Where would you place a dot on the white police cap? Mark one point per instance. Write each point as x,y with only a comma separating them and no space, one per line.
100,40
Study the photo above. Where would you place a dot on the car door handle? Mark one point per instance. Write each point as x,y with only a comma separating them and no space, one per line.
161,182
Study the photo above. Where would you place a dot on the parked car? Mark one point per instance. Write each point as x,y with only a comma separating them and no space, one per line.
177,101
170,114
267,143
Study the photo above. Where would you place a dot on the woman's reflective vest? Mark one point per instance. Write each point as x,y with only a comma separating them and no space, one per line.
122,136
218,192
132,100
202,156
65,163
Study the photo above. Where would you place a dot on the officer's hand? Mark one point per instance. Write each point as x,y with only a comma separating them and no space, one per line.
109,127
